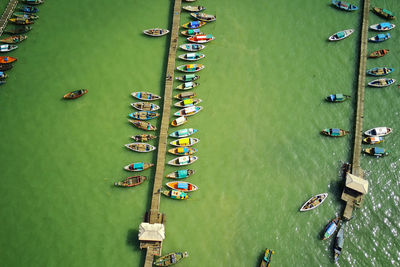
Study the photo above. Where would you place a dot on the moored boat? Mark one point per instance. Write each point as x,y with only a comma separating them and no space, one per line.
187,86
143,125
28,9
138,166
188,77
201,38
337,248
266,260
337,98
185,141
334,132
140,147
378,131
187,102
344,5
203,17
7,47
193,24
3,75
340,35
14,39
191,32
75,94
190,67
372,140
4,67
314,202
18,29
380,37
179,121
184,95
25,15
330,228
21,21
381,82
376,151
182,161
144,115
170,259
191,56
189,111
183,133
145,106
175,194
7,59
192,47
383,26
383,13
145,96
379,71
32,2
182,186
143,137
379,53
193,8
182,151
180,174
156,32
131,181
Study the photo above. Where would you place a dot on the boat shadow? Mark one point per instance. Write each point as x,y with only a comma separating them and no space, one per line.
133,242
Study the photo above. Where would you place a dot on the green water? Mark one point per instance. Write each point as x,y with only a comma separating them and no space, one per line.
260,154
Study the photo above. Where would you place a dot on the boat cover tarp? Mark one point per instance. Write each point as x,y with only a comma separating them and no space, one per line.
384,24
138,166
339,97
151,232
340,34
182,173
387,11
184,159
182,185
356,183
184,141
188,102
335,131
188,84
379,150
190,109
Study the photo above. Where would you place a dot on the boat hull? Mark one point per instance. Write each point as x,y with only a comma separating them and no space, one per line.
314,202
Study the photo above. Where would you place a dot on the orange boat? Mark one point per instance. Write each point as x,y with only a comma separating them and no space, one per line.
75,94
379,53
7,59
182,186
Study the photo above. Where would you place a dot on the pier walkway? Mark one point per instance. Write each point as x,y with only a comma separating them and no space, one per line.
7,14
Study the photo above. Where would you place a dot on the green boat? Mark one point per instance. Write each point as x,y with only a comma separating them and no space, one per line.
337,98
170,259
25,15
383,13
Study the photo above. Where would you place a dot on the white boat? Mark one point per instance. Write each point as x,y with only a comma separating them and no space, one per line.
378,131
145,96
314,202
384,26
183,132
192,47
7,47
188,111
381,82
193,8
179,121
340,35
140,147
156,32
145,106
191,56
187,86
182,161
186,141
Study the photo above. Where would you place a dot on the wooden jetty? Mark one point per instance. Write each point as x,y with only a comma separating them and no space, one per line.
7,14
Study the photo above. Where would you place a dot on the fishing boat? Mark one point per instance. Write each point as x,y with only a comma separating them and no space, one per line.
340,35
383,26
25,15
344,5
314,202
21,21
192,47
201,38
131,181
185,95
383,13
376,151
7,47
143,125
191,67
193,24
191,56
7,59
14,39
187,86
175,194
143,137
32,2
188,78
144,115
382,82
185,141
183,133
179,121
18,29
378,131
156,32
379,71
145,106
373,140
380,37
75,94
266,260
337,248
182,186
203,17
180,174
4,67
334,132
193,8
145,96
138,166
187,102
379,53
191,32
140,147
189,111
330,228
182,161
28,9
337,98
182,151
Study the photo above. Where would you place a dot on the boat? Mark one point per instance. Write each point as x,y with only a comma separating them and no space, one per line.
379,71
191,32
32,2
372,140
191,56
140,147
201,38
185,95
182,186
380,37
144,115
138,166
334,132
187,86
7,59
3,75
28,9
145,106
131,181
192,47
180,174
185,141
193,8
191,67
266,260
337,98
182,161
375,151
18,29
156,32
182,151
75,94
143,137
14,39
193,24
378,131
314,202
175,194
145,96
344,5
179,121
183,133
379,53
7,47
188,78
21,21
381,82
383,26
383,13
187,102
337,248
143,125
25,15
203,16
340,35
189,111
4,67
330,228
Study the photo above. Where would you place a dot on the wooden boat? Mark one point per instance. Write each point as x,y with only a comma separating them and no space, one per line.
193,24
379,71
191,56
344,5
187,102
334,132
191,67
383,13
183,133
381,82
32,2
145,96
7,47
75,94
3,75
187,86
170,259
189,111
376,151
4,67
380,37
143,125
378,131
185,141
179,121
182,151
143,137
203,17
337,98
21,21
182,186
140,147
193,8
337,248
191,32
192,47
180,174
131,181
28,9
201,38
314,202
182,161
188,77
379,53
144,115
14,39
18,29
185,95
189,0
383,26
330,228
266,261
25,15
340,35
175,194
372,140
156,32
138,166
145,106
7,59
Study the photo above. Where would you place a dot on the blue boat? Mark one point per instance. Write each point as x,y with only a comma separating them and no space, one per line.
29,9
331,228
337,98
344,5
380,37
376,151
380,71
144,115
183,133
384,26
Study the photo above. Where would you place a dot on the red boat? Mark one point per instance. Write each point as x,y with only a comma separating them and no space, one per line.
200,39
7,59
131,181
75,94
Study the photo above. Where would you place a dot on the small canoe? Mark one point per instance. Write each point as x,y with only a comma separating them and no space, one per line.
179,121
379,71
373,140
185,141
187,86
14,39
28,9
334,132
191,67
314,202
32,2
145,106
383,26
143,137
189,111
182,186
344,5
180,174
379,53
145,96
193,8
201,38
266,260
337,98
191,56
144,115
376,151
382,82
143,125
187,102
21,21
18,29
191,32
182,161
378,131
182,151
7,59
380,37
188,78
4,67
204,17
138,166
330,228
193,24
337,248
192,47
131,181
175,194
75,94
25,15
340,35
7,47
184,95
383,13
170,259
3,75
183,133
156,32
140,147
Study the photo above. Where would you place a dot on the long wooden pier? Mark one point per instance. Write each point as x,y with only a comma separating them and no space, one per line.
7,14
